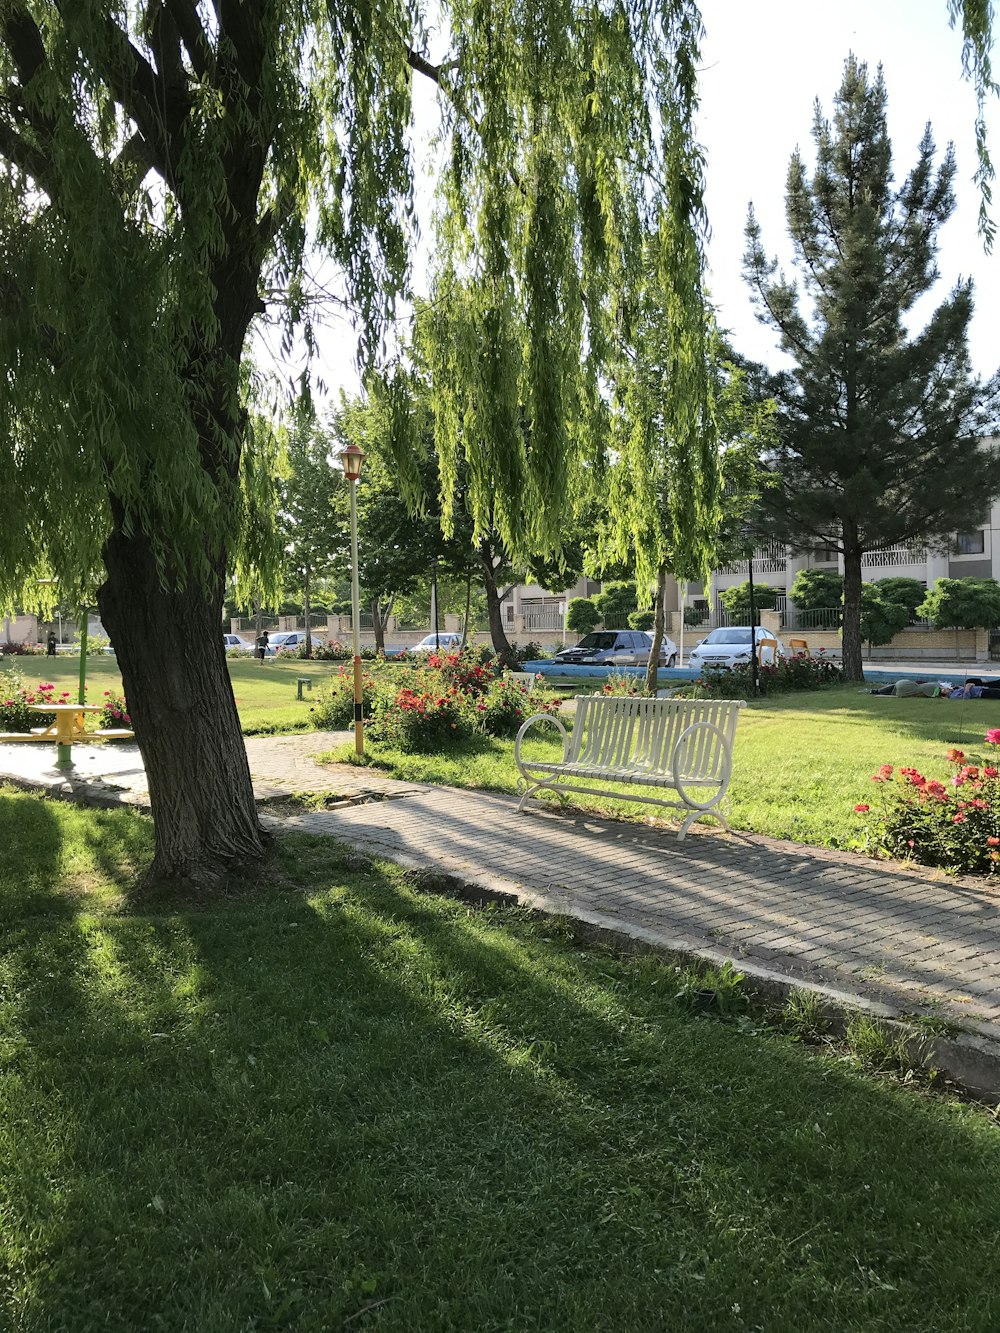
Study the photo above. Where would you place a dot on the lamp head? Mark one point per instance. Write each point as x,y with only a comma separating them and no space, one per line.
351,459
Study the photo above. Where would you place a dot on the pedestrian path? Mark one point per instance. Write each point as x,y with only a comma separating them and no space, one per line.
915,941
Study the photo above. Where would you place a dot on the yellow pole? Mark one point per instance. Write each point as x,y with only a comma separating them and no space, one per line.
359,738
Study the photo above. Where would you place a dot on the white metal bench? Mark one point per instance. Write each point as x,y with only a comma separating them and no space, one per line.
682,744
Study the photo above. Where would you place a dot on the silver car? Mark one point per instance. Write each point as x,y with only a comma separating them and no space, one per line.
617,647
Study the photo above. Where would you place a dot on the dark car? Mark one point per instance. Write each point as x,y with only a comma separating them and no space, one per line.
616,647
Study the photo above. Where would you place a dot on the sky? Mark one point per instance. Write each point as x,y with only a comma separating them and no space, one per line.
764,64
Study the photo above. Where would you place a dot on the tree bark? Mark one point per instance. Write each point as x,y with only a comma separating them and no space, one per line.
501,644
653,665
853,664
378,625
180,698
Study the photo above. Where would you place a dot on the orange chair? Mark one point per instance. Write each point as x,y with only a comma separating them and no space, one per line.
799,648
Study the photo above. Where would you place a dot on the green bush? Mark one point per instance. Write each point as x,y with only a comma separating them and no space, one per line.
817,590
881,617
615,603
582,615
736,600
421,720
962,604
333,709
643,619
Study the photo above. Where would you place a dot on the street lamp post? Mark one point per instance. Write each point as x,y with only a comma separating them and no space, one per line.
351,460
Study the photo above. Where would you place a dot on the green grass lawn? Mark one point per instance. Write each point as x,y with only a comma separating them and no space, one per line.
333,1102
801,761
265,692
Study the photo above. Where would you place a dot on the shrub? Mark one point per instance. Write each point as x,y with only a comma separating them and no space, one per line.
790,673
881,617
333,651
115,714
421,720
736,600
582,615
506,704
466,671
615,603
334,706
817,589
954,824
643,619
21,648
16,698
528,652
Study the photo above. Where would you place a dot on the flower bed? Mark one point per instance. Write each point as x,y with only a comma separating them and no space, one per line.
952,824
788,673
447,698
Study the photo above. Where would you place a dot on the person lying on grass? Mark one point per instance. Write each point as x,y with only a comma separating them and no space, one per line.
974,688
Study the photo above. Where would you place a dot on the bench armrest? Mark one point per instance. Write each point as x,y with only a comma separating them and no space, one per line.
727,765
530,721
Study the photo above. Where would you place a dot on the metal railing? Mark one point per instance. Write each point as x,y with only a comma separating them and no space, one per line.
542,618
770,558
828,617
893,556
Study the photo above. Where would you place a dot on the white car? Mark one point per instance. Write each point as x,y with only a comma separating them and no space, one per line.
726,647
439,643
230,641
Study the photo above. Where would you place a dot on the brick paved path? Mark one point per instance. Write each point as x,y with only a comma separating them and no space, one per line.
913,940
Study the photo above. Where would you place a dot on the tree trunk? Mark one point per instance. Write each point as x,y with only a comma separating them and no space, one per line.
653,665
180,699
501,644
468,608
378,625
852,659
306,611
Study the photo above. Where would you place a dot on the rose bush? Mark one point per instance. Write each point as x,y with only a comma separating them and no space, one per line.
788,673
952,824
16,699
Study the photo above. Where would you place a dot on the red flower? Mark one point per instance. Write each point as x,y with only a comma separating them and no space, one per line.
862,809
955,757
993,842
958,819
993,736
991,772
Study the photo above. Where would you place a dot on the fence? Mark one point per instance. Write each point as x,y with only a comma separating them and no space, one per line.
894,556
828,617
771,558
541,619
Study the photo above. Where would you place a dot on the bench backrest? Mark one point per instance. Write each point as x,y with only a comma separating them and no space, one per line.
637,735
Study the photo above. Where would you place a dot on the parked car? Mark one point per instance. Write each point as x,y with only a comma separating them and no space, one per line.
288,641
230,641
440,643
730,646
617,647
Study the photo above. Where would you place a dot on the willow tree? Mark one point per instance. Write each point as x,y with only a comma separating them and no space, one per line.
166,170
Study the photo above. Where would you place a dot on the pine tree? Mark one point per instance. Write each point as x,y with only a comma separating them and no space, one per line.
878,427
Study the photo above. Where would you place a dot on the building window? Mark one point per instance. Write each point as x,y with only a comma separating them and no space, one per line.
971,543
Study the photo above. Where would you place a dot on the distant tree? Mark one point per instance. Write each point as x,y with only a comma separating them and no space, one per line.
736,599
309,526
644,619
910,592
816,589
582,615
962,604
878,428
882,617
615,603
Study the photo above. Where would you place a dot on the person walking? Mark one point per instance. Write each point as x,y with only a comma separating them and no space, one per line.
50,643
262,645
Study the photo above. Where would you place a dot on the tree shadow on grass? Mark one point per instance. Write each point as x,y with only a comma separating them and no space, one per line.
341,1099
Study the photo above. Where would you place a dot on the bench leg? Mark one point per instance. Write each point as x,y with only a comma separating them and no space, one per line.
697,814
